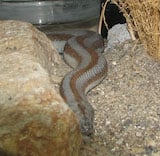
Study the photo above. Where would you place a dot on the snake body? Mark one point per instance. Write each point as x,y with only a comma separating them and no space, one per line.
82,51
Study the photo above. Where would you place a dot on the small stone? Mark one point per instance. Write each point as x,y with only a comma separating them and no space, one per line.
138,134
120,141
114,62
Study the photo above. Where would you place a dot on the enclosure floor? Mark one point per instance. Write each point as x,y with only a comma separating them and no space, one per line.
126,104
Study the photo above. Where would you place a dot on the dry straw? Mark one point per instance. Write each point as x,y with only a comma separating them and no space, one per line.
143,17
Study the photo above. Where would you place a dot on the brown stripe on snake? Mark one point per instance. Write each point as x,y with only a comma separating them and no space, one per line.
94,61
75,55
82,51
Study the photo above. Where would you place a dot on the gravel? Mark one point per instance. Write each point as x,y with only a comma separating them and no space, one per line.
126,104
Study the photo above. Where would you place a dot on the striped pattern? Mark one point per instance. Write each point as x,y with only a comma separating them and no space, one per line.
83,53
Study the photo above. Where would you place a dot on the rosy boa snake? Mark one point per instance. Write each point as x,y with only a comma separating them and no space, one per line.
82,51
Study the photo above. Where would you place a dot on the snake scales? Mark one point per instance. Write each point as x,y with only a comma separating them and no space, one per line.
82,51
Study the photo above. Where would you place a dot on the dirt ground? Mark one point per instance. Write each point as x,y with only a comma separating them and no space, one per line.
126,104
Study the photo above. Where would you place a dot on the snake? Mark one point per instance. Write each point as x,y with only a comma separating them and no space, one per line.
82,50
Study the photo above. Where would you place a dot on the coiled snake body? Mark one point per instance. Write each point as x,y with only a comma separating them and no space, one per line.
82,51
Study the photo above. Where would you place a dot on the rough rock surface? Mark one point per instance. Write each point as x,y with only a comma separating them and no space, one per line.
117,35
34,120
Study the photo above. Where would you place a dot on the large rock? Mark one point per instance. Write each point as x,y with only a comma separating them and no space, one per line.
34,120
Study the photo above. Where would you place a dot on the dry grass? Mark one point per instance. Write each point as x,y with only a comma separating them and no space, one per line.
143,17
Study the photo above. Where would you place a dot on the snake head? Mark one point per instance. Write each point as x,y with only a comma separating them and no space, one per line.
85,115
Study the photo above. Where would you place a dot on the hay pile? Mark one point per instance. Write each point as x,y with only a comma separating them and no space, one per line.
143,17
